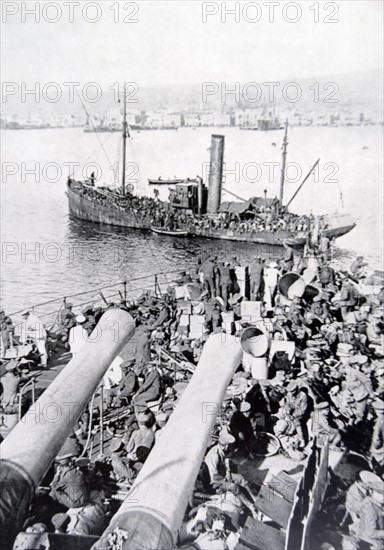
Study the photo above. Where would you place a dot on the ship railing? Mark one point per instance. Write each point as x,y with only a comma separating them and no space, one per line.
26,386
127,290
31,383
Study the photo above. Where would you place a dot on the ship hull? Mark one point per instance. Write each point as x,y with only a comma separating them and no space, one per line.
84,209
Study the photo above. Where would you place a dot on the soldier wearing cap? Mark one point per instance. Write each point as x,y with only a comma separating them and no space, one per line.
209,271
127,387
241,426
220,475
66,318
347,298
77,335
296,406
33,328
150,389
68,486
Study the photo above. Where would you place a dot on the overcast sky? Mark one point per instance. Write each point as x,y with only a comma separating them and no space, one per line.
171,45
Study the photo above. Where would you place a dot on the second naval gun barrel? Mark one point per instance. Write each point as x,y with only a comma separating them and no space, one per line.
153,511
29,450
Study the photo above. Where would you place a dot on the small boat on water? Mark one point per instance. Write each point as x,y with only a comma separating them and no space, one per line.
170,232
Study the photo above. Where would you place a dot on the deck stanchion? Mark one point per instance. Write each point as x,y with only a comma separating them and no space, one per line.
101,419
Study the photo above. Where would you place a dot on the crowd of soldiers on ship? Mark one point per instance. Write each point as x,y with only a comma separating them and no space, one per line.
331,387
157,213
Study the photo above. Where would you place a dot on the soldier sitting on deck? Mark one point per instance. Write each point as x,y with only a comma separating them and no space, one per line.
296,406
220,476
10,383
72,488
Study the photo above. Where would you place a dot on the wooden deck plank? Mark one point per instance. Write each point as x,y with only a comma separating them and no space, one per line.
259,536
273,505
284,485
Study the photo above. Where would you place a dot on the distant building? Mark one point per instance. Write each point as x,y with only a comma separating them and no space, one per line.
246,117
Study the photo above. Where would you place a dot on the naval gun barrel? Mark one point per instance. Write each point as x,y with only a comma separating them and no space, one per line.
153,511
29,450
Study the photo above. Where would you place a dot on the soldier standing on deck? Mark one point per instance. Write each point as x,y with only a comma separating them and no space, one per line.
256,278
377,443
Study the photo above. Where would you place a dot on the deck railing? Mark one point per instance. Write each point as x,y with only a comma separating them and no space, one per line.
122,290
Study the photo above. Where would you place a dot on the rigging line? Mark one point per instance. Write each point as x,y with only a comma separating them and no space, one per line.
93,152
90,120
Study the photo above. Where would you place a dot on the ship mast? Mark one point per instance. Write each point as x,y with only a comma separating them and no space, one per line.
125,135
284,158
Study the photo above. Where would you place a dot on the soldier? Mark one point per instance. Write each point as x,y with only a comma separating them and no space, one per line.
357,492
285,430
119,462
225,282
357,385
256,278
296,406
322,427
271,277
141,440
208,269
347,299
66,318
7,331
241,427
369,526
377,443
150,389
33,328
11,382
289,257
220,476
143,348
68,486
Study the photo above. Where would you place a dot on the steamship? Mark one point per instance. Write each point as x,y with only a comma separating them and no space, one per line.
201,204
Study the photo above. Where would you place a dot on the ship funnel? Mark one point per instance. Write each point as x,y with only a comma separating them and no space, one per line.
215,174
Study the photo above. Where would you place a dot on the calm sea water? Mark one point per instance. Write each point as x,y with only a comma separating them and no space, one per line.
45,254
